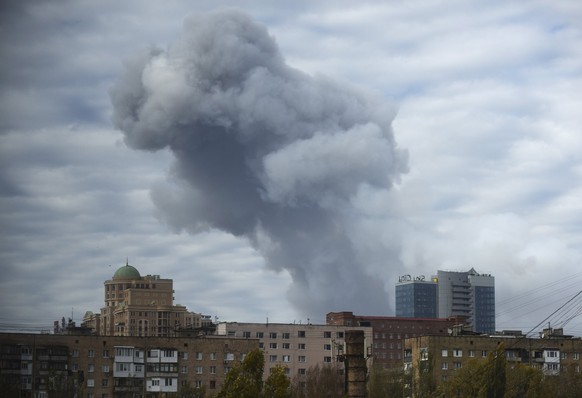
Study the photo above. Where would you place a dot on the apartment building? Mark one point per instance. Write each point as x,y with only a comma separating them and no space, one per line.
389,333
297,347
114,366
551,353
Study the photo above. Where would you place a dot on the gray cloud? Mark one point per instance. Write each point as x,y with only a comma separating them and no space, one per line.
266,152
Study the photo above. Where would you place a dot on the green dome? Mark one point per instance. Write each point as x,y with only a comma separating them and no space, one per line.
127,272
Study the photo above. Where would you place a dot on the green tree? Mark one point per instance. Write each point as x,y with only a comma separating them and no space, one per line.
277,384
320,382
245,380
385,382
494,375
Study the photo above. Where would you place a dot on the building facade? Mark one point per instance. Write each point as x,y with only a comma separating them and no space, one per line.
389,333
31,365
297,347
445,355
470,295
138,305
416,297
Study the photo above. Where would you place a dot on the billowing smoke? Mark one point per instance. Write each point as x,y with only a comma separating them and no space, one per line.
265,152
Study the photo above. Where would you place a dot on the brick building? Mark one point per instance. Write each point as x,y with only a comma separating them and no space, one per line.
445,355
389,333
108,366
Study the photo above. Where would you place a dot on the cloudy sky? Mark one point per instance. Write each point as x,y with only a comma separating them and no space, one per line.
285,160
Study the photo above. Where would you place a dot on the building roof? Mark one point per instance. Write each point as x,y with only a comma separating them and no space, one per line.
127,272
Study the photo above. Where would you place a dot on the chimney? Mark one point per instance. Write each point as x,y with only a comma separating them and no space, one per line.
355,364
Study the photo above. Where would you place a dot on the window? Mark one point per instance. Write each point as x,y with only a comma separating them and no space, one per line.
184,369
228,356
457,353
153,354
90,383
286,336
231,333
105,368
483,353
327,335
91,353
104,382
444,353
445,366
213,356
212,384
327,359
155,382
261,345
90,368
339,335
198,370
576,356
184,355
273,345
75,353
259,335
273,335
472,353
198,356
198,384
458,365
213,370
301,346
301,371
327,347
286,346
301,333
105,353
122,367
286,358
301,358
272,358
247,334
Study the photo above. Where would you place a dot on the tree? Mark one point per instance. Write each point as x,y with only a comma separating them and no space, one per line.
277,384
245,380
385,382
320,382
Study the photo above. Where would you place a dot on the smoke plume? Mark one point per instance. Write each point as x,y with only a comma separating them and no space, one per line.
265,152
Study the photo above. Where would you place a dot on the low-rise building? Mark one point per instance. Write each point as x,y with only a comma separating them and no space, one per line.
389,333
443,356
114,366
297,347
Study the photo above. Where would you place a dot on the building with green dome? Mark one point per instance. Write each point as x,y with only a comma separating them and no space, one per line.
137,305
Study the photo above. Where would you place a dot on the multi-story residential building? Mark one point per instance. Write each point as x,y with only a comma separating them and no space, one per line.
92,366
470,295
297,347
138,305
389,333
416,297
445,355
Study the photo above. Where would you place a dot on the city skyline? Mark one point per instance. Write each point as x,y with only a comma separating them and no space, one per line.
482,98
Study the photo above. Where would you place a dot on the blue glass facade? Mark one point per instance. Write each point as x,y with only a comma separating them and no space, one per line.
416,299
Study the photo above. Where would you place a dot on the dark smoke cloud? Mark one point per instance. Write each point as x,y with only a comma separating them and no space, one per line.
264,152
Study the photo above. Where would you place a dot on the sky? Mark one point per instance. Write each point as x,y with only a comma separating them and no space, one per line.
281,160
